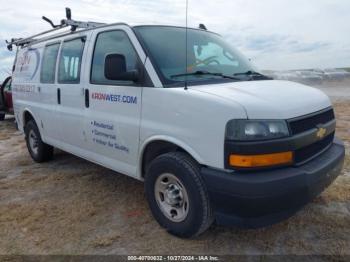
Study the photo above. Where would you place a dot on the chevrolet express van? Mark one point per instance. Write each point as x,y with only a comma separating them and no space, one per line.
212,139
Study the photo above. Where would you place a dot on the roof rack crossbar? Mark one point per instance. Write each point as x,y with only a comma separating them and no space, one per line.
22,41
64,23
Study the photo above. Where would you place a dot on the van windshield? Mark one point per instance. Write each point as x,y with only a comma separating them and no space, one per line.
209,57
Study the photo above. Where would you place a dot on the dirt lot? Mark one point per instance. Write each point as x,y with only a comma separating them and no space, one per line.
71,206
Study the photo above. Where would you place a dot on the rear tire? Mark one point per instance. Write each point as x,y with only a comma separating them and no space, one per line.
38,150
2,117
187,212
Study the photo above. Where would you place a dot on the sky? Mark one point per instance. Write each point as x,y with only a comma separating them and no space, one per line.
274,34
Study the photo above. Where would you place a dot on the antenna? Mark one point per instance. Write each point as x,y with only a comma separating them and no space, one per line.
186,48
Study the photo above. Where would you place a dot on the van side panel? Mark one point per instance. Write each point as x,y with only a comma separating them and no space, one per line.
25,86
70,85
71,125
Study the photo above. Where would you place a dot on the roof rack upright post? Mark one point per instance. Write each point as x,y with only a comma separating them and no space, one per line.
77,24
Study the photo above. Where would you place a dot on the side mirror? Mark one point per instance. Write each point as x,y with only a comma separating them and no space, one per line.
115,69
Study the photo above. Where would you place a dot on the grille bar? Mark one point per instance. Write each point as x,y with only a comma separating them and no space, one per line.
307,153
303,124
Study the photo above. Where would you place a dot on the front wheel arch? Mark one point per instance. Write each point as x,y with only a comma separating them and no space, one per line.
156,147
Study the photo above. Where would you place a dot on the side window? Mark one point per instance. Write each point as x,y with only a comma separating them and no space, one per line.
70,61
48,67
112,42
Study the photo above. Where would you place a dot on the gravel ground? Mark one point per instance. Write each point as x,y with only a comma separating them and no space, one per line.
71,206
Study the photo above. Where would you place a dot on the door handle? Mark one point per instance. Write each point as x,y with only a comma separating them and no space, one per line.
87,98
58,96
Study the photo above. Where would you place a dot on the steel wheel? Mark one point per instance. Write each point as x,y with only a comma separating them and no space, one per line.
38,150
171,197
33,142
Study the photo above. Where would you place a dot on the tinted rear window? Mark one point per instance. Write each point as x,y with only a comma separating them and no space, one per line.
48,67
70,61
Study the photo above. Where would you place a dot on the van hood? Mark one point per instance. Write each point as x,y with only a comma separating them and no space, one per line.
272,99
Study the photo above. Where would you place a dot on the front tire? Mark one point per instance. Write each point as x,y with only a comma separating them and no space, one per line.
38,150
2,117
177,195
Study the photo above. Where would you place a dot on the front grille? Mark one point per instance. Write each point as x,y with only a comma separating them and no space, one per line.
303,124
303,154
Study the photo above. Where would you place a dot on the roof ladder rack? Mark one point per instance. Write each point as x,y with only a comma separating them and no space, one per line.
74,25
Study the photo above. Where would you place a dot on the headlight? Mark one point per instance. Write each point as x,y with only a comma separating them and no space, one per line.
243,130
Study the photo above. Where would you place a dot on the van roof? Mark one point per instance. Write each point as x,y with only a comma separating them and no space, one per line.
32,41
66,23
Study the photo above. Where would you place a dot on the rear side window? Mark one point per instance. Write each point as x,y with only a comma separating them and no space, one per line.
112,42
70,61
48,67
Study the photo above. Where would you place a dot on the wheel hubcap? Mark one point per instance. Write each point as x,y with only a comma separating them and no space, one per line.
171,197
33,142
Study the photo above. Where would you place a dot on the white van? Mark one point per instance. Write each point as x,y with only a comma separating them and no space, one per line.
212,139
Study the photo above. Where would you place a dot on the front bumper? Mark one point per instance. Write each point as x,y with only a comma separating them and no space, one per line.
261,198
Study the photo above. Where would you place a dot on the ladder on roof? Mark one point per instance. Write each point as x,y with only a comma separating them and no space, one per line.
74,25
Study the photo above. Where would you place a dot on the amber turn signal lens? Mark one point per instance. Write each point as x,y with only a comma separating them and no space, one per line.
261,160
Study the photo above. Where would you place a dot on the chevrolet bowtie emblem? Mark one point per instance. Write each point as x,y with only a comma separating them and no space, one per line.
321,132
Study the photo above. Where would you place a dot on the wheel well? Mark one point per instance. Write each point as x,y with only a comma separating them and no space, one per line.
155,149
27,117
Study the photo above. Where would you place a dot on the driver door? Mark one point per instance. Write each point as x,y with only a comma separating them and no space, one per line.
114,109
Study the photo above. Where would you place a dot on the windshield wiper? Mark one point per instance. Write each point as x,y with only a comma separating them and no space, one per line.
252,74
201,73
